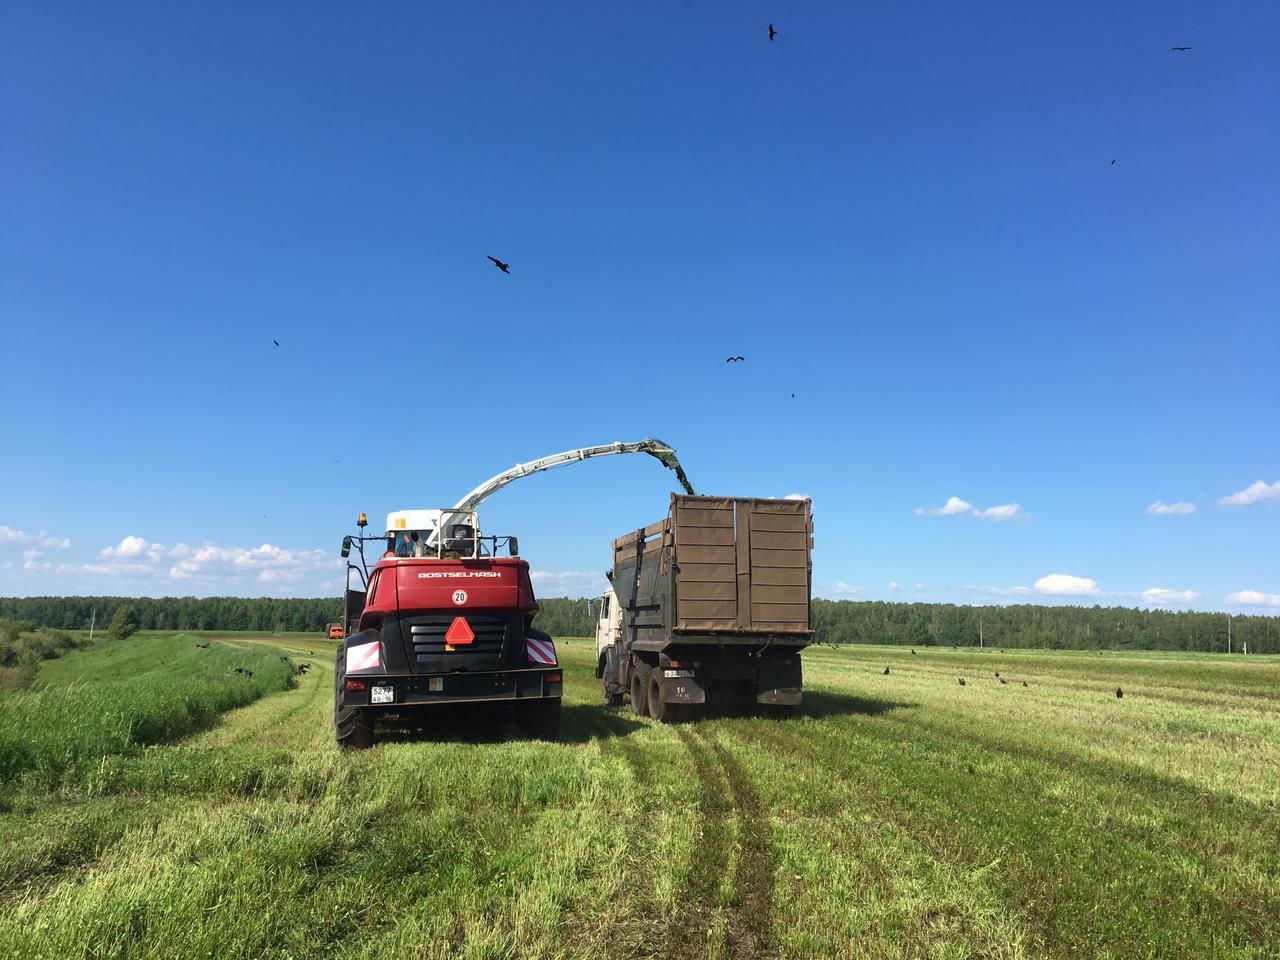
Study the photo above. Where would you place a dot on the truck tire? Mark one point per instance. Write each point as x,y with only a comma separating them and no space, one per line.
609,673
352,727
639,689
659,709
540,720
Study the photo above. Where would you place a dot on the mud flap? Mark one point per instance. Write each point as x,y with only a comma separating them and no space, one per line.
780,682
681,690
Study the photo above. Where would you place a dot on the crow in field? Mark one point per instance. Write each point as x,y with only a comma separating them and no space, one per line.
1024,683
913,653
1180,49
239,669
772,33
203,646
886,671
962,681
997,673
504,267
734,359
1119,694
248,673
1003,680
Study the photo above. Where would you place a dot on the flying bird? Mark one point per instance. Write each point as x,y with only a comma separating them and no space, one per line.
276,342
734,359
1119,694
886,671
504,267
772,33
1113,163
1180,49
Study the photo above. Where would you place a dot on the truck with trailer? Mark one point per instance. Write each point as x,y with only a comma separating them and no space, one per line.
709,609
441,619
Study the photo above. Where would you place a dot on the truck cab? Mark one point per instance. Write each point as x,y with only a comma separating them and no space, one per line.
608,641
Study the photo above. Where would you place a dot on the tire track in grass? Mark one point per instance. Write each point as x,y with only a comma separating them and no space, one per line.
727,805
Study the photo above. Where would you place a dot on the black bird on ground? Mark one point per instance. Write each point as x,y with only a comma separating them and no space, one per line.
203,646
1180,49
239,669
772,33
913,653
886,671
997,673
1003,680
1119,694
1024,683
504,267
734,359
962,681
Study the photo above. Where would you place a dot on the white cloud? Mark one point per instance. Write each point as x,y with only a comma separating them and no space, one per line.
130,546
43,538
919,588
1158,596
1065,585
38,565
1256,492
895,586
1006,511
1161,509
956,507
952,508
568,583
1254,598
796,496
266,563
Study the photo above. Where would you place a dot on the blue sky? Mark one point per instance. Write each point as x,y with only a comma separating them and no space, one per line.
907,217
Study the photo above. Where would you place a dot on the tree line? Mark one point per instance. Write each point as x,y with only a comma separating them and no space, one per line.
834,621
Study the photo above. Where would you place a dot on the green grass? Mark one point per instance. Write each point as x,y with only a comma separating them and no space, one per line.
897,816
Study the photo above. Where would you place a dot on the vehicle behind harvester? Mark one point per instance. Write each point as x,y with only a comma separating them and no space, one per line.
709,609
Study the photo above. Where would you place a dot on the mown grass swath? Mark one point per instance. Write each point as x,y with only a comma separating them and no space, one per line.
899,815
118,697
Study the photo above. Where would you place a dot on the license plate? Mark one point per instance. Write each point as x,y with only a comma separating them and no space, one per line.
677,673
435,684
382,694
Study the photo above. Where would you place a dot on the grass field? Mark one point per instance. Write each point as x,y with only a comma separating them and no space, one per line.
897,816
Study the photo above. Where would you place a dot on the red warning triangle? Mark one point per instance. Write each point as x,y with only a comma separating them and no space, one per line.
459,633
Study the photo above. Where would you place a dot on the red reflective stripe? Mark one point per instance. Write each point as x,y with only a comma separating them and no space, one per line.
540,651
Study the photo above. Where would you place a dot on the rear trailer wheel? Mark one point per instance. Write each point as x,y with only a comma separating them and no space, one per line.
639,688
541,720
352,726
659,709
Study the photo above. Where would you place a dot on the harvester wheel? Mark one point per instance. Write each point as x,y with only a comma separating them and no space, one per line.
639,687
612,686
540,720
352,728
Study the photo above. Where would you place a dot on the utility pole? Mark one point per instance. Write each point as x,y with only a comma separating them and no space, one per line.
92,620
979,631
1228,633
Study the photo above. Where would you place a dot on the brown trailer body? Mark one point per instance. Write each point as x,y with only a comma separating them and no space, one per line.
724,581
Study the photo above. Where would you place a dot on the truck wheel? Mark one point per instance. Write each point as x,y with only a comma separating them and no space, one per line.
541,720
639,687
352,727
612,688
659,709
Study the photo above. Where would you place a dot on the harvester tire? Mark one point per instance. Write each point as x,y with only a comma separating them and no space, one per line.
352,727
612,686
639,689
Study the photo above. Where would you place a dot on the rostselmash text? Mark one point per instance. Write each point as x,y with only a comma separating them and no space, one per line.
452,574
